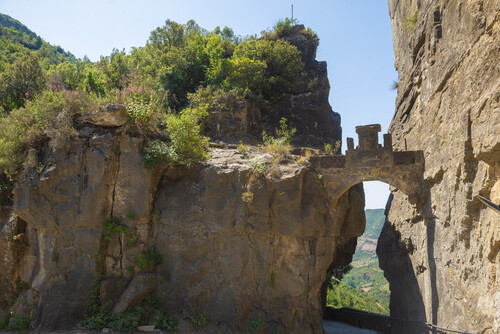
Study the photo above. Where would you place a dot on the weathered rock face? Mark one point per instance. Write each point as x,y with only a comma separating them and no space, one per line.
446,249
230,260
97,222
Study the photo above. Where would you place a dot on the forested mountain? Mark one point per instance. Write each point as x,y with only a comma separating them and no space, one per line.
17,41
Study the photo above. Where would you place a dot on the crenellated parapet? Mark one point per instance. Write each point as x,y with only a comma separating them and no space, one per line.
369,153
370,161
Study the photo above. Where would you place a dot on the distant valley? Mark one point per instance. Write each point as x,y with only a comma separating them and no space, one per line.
364,287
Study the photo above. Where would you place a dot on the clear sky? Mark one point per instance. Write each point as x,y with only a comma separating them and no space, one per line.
355,40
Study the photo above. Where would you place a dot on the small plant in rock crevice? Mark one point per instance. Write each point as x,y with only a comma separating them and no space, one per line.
247,197
132,239
257,169
164,321
277,147
113,225
19,284
19,322
257,325
328,148
272,281
307,155
200,321
410,23
336,149
244,150
131,214
148,259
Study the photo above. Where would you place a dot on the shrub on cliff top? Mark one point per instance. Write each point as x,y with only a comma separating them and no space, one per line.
49,116
280,145
284,27
186,146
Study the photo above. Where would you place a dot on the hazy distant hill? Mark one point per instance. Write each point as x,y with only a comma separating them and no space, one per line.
374,222
17,41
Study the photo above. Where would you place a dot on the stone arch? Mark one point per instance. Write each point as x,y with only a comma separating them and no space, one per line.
403,179
370,161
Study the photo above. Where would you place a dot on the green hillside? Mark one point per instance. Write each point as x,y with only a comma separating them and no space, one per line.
374,222
364,287
342,295
367,278
17,42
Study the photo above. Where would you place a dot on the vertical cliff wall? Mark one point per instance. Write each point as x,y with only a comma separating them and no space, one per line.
442,256
90,220
231,260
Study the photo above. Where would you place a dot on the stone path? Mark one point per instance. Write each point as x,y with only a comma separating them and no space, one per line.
333,327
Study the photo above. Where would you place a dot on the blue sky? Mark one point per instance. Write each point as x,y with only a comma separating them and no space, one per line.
355,40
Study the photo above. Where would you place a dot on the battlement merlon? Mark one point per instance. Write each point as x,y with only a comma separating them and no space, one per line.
370,153
368,137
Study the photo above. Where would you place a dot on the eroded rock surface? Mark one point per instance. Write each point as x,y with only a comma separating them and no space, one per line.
446,248
230,260
98,224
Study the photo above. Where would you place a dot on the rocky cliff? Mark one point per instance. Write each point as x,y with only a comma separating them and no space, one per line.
307,109
227,259
441,256
89,225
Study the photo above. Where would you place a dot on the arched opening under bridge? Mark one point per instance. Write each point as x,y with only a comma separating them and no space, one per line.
371,161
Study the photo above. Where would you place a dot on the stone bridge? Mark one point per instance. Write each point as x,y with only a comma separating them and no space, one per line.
370,161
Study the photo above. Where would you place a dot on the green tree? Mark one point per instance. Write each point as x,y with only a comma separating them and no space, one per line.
283,62
248,74
169,36
116,70
24,80
218,65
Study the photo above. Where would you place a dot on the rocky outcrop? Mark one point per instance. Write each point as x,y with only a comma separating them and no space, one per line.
98,227
96,215
443,262
307,109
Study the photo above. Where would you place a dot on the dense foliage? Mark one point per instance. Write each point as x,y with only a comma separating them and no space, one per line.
129,321
166,85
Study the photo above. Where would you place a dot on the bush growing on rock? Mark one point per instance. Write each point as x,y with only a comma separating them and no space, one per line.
19,323
48,116
186,146
21,82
